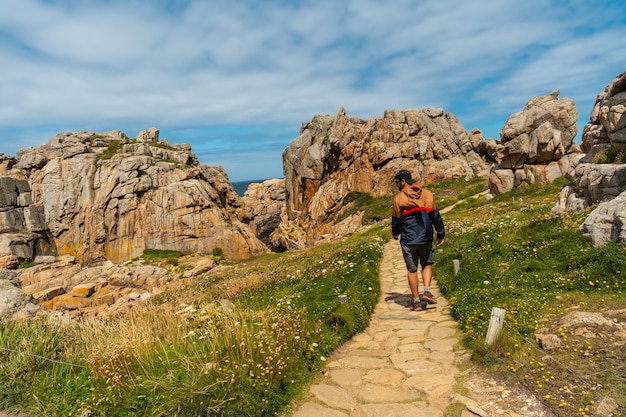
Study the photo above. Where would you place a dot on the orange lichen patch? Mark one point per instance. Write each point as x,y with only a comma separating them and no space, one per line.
68,302
84,290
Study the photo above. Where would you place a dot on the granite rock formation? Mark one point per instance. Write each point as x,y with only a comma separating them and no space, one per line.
599,179
335,155
265,209
23,230
103,196
536,144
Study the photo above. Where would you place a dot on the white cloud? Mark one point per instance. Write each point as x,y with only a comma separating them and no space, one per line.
204,65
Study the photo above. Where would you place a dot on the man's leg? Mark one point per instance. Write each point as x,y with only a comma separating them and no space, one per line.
427,277
411,260
413,283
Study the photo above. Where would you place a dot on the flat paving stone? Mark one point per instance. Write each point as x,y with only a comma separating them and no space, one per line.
444,357
372,353
412,325
371,393
434,384
389,376
441,344
411,347
361,337
398,410
383,335
392,343
398,358
413,339
362,362
441,332
316,410
347,377
363,344
415,367
333,396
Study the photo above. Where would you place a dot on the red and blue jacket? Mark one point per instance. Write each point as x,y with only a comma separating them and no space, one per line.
415,215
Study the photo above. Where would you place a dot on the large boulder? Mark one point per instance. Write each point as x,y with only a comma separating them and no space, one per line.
536,144
336,155
265,207
607,222
12,298
23,230
542,132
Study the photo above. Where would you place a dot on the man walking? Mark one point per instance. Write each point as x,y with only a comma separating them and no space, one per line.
415,215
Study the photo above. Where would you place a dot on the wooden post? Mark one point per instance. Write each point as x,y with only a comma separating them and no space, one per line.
495,324
456,266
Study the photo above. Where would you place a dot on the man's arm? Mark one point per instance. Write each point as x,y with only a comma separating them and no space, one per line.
439,227
395,227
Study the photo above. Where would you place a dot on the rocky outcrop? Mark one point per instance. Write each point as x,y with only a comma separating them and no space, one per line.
599,179
23,230
107,197
601,175
607,123
595,183
58,287
536,144
265,208
99,290
6,163
336,155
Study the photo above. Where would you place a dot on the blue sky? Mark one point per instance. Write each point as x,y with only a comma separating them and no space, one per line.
236,79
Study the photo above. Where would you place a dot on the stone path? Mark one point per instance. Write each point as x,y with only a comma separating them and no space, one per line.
408,364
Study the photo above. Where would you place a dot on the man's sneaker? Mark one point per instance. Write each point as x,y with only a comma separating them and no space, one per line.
415,306
428,297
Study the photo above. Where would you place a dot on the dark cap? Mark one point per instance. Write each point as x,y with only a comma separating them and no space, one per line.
405,175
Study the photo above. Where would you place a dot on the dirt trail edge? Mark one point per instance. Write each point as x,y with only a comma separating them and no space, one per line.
409,364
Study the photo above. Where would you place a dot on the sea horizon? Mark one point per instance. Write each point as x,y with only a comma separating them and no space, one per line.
241,186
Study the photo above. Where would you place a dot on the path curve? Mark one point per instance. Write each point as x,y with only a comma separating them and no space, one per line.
408,364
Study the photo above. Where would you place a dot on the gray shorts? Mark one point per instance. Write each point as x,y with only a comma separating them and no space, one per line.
424,254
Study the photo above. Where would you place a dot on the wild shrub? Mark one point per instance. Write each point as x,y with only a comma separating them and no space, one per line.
615,154
114,147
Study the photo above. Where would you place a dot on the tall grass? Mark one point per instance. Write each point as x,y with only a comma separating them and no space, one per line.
189,353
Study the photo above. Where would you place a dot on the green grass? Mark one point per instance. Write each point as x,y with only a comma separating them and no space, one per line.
374,209
187,355
114,147
26,264
450,192
515,255
161,256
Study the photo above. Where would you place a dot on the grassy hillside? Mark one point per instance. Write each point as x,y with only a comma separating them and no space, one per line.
191,353
513,254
